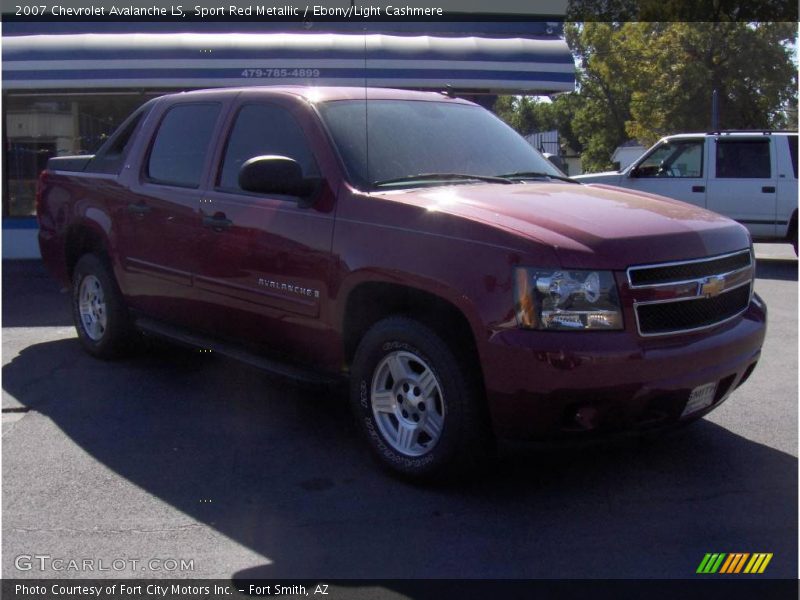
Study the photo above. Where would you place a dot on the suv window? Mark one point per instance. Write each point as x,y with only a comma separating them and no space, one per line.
792,139
743,159
181,143
264,129
111,155
678,158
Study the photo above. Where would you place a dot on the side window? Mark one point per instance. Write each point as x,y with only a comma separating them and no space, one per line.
792,140
682,158
743,159
263,129
111,156
181,144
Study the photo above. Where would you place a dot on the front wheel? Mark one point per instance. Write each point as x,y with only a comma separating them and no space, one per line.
417,402
101,318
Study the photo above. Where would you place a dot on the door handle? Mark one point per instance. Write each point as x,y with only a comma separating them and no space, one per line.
768,189
139,208
218,222
698,188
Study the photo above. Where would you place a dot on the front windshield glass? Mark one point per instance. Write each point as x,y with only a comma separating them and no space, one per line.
407,138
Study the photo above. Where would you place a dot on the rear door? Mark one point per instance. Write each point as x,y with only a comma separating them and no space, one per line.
265,260
743,185
160,220
675,169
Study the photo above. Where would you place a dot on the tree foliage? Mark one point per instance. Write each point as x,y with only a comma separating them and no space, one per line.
644,80
530,115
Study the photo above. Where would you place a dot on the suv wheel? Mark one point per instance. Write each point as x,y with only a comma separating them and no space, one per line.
98,310
415,401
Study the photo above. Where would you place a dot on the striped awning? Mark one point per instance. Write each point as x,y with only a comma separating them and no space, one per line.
192,60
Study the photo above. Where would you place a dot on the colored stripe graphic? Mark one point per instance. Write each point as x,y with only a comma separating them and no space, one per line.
734,563
711,563
758,563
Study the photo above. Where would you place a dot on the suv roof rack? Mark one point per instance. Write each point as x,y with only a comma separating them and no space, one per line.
761,131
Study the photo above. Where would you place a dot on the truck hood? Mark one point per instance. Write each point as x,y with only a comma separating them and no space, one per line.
588,226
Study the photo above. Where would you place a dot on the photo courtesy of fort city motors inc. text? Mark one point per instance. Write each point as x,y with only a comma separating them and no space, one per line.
366,300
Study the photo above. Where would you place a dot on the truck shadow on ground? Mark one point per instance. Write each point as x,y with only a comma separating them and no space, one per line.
783,270
280,470
31,296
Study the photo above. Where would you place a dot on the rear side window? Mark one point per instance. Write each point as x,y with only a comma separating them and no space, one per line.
111,156
181,144
792,139
260,130
743,159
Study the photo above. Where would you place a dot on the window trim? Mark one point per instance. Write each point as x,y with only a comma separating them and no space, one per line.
145,166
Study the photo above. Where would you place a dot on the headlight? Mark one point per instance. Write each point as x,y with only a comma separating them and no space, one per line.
560,299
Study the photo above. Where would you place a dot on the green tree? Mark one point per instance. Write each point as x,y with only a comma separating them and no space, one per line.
644,80
531,114
751,66
525,114
605,87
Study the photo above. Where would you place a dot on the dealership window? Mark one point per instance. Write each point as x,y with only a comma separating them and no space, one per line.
39,126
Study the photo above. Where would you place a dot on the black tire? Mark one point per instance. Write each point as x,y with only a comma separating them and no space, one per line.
113,336
457,402
793,232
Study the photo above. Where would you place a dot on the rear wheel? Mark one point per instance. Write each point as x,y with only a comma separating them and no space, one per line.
416,401
98,309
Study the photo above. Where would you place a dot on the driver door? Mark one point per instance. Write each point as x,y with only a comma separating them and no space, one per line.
675,169
266,258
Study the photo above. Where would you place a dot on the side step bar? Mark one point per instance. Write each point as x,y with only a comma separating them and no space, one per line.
181,336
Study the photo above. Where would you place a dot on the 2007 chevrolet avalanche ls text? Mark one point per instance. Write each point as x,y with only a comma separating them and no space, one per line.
417,244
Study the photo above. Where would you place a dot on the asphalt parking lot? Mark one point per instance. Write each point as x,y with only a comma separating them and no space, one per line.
175,455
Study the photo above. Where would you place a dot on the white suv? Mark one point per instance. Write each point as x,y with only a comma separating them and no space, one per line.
750,176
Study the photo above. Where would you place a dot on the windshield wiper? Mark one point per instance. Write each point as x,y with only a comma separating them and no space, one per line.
535,175
442,177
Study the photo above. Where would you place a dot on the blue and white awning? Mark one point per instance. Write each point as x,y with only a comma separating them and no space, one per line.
192,60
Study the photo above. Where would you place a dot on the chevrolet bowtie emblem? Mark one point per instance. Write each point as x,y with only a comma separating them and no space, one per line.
712,286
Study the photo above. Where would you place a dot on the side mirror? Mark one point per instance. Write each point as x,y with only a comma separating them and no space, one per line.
275,175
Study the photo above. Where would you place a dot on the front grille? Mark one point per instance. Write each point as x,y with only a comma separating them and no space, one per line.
686,271
670,317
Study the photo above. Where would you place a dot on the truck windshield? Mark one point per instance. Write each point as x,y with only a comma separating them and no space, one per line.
404,143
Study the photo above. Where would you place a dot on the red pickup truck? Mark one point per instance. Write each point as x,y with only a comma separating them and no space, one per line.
414,243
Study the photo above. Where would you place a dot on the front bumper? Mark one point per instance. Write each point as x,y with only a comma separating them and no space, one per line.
550,384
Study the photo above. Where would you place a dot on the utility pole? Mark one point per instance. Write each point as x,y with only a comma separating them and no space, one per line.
715,110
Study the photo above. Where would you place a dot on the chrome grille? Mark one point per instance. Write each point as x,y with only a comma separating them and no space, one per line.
691,295
669,317
675,272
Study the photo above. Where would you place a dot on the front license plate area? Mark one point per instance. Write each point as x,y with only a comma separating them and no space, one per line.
700,398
